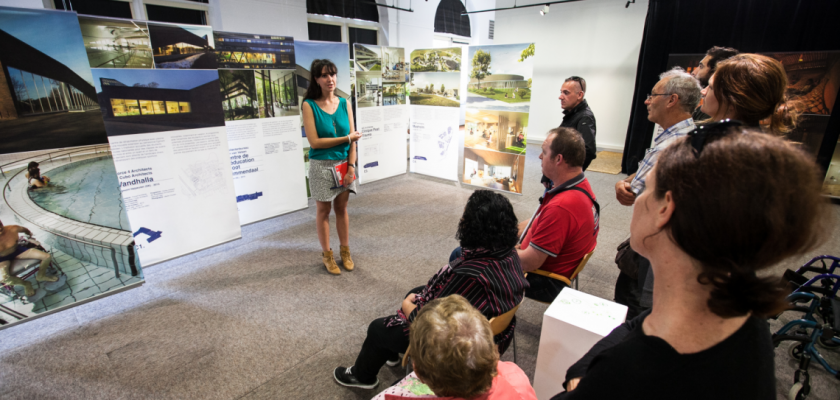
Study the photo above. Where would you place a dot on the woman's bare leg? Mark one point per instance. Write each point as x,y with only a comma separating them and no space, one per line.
322,222
342,219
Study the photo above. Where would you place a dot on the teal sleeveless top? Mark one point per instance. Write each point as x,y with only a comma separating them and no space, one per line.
332,125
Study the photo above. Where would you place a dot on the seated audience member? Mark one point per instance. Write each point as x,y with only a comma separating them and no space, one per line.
487,273
750,88
565,226
453,353
34,177
706,69
706,336
669,105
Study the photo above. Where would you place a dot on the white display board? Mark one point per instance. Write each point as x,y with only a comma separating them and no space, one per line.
166,127
262,115
435,99
381,110
572,324
178,191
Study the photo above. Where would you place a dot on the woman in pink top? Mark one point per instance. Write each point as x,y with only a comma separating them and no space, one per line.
454,357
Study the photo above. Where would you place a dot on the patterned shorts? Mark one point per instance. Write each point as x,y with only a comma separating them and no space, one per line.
321,180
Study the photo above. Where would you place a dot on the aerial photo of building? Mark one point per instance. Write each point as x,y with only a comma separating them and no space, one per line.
113,43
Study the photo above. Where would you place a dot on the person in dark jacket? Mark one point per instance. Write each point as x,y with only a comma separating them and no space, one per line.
578,115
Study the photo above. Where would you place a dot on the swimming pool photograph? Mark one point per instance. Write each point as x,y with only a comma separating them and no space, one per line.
78,218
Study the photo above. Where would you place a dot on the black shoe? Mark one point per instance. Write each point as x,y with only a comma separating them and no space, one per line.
394,362
345,377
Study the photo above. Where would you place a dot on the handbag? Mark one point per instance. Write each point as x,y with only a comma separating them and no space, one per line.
627,259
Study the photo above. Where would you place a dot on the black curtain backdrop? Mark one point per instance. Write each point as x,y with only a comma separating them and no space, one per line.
751,26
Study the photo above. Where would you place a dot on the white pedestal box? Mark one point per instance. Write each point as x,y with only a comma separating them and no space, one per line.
572,324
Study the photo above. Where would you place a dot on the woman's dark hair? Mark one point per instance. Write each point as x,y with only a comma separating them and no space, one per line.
316,70
488,222
743,203
754,86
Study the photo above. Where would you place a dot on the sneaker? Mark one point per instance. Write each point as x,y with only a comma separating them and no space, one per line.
395,362
345,377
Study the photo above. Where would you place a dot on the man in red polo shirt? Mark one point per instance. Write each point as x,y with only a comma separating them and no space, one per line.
565,226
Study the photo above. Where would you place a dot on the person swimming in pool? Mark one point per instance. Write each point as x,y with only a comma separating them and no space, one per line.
10,251
33,176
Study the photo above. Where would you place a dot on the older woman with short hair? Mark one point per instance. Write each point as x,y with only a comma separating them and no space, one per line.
453,354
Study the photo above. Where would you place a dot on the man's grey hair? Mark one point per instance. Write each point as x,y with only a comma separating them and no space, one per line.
683,85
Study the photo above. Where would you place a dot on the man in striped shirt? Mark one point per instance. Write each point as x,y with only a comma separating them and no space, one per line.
669,105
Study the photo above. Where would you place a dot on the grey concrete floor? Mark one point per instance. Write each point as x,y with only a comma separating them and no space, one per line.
261,318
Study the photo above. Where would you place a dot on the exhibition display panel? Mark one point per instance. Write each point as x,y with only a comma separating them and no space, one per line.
262,114
498,102
166,127
59,180
434,85
382,113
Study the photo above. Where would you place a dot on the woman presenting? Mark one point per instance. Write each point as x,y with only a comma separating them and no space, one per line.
327,121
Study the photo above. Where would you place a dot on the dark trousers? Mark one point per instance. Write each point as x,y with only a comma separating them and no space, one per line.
631,292
543,288
587,161
381,344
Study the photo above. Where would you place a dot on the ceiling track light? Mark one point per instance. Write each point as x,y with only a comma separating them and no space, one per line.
542,12
628,3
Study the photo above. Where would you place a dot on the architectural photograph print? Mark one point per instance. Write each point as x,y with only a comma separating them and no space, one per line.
369,89
79,229
435,89
368,58
116,43
393,94
496,130
500,77
261,93
394,67
47,94
338,53
145,101
494,170
248,51
436,60
183,46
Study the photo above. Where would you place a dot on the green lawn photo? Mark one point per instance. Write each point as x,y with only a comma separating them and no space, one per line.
522,95
432,100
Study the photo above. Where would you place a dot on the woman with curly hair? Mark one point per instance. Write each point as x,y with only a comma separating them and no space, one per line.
708,243
488,274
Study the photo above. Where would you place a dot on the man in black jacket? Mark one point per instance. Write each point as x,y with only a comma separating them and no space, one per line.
578,115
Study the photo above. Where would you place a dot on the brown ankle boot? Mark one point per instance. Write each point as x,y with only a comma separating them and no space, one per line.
329,262
345,258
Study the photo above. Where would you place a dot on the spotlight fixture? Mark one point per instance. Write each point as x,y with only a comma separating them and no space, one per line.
544,11
625,6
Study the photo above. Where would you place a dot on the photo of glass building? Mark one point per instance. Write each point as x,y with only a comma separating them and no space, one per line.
239,94
276,93
112,43
239,50
46,90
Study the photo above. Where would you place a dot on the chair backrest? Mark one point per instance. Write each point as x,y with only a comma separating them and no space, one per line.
582,264
500,323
